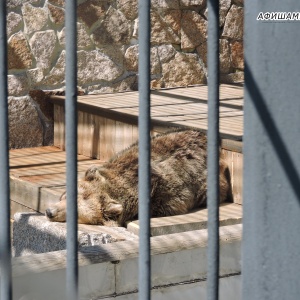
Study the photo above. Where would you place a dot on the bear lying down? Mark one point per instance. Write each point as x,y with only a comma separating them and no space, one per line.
108,194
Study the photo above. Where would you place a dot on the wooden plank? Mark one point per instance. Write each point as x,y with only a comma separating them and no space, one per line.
237,175
25,152
95,137
170,108
107,138
41,160
59,127
128,138
102,136
80,132
235,164
135,133
49,169
110,138
86,134
119,142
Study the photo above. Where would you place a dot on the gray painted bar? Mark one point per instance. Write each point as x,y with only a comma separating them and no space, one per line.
5,248
271,242
71,149
144,151
213,151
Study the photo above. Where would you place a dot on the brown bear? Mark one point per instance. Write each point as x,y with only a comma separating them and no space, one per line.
108,194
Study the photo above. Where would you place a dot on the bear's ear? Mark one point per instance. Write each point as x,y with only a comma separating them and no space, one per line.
93,173
113,209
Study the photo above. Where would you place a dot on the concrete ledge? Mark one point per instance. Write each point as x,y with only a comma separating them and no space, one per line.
33,233
230,214
111,270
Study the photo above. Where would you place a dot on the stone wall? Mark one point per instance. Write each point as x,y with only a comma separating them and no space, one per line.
108,52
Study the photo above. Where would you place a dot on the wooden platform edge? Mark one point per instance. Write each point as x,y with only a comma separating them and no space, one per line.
229,141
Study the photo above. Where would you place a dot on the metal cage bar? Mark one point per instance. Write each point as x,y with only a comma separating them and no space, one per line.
71,149
213,151
144,150
5,246
271,191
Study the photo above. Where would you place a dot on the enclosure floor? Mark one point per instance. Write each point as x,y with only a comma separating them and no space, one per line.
38,178
38,175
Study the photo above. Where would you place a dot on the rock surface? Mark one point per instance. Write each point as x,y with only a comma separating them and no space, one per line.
18,85
25,127
33,233
115,29
183,70
193,30
35,18
14,22
19,54
43,45
234,23
57,15
237,55
107,43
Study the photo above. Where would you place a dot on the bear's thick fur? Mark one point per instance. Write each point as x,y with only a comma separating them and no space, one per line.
108,194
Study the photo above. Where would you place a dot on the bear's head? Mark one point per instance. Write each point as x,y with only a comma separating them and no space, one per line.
95,206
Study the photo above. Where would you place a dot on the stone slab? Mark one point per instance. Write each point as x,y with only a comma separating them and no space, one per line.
33,233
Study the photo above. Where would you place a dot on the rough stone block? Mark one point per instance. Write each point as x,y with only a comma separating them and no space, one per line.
25,127
14,23
234,25
19,55
33,233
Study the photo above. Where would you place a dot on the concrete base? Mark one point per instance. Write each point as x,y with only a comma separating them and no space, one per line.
110,271
33,233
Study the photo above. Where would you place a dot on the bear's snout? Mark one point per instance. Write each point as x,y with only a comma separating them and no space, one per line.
49,213
56,213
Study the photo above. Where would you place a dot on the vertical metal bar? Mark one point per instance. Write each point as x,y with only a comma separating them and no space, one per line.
271,191
71,149
213,151
5,246
144,150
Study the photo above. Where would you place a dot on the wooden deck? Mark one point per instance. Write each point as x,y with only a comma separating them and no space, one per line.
38,177
170,107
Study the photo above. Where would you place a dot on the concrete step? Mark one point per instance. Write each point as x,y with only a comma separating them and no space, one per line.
230,214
